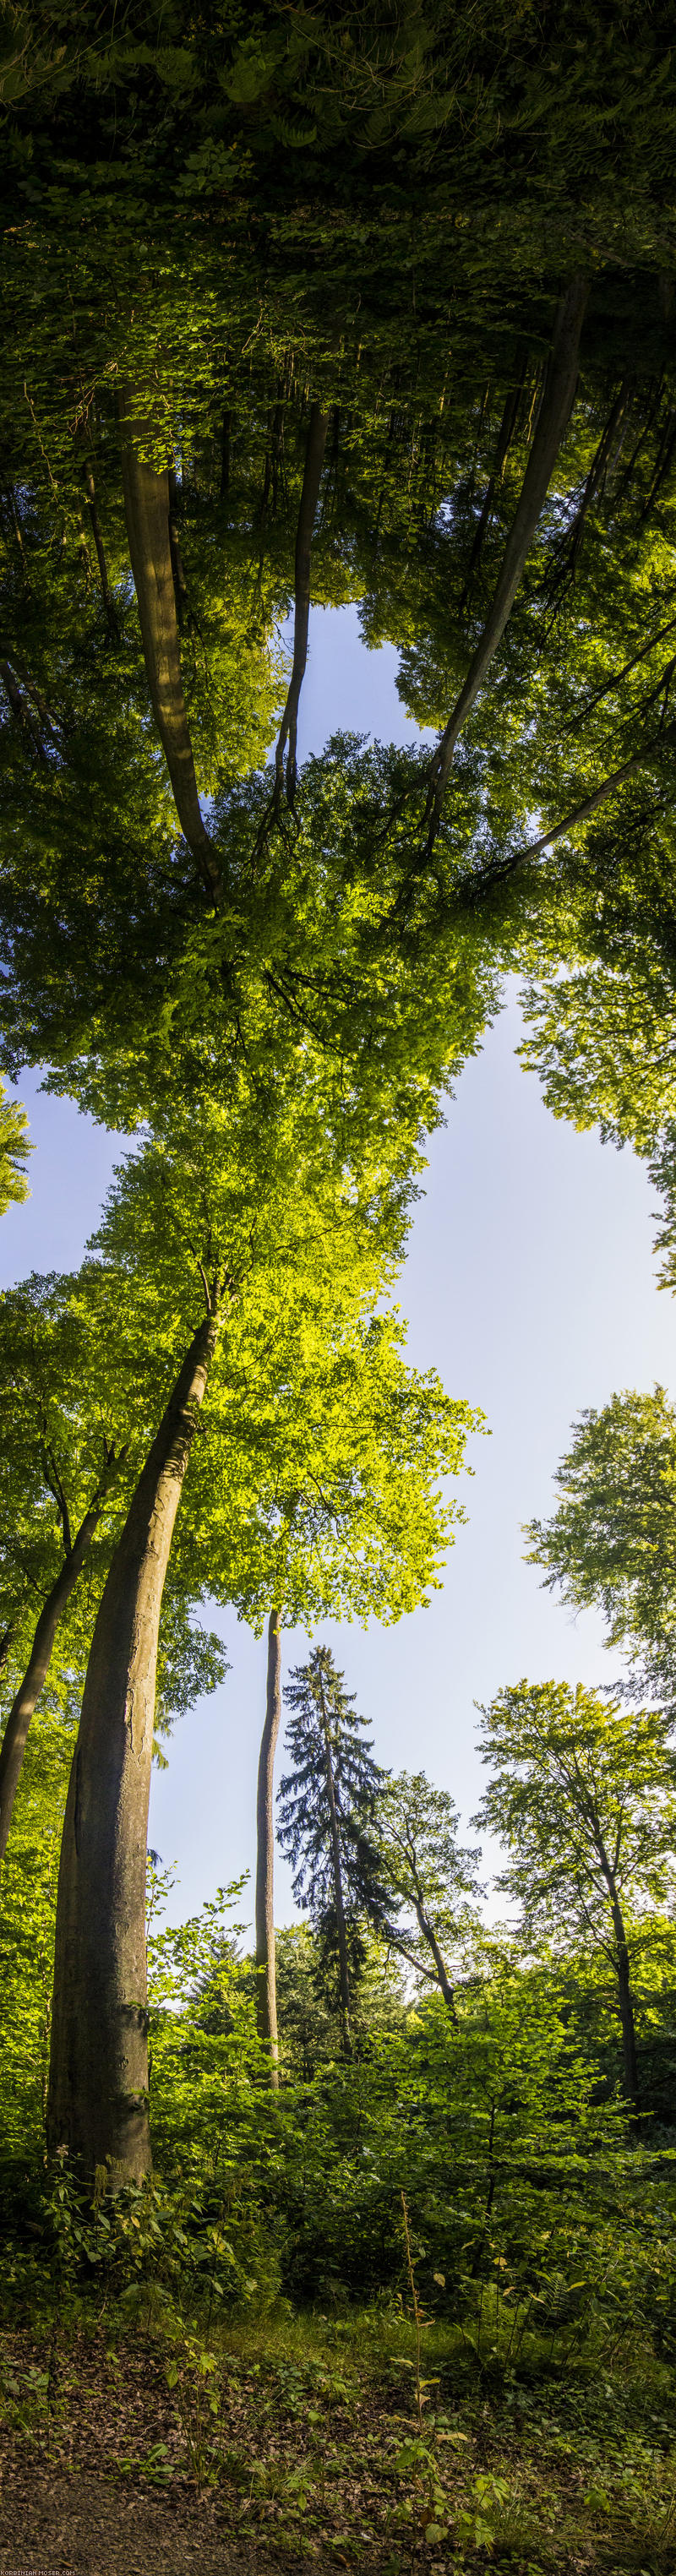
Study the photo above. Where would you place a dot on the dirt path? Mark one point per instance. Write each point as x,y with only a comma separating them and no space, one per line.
88,2525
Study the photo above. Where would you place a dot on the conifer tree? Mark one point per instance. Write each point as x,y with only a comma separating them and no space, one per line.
327,1806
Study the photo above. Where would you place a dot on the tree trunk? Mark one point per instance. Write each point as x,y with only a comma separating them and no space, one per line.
511,406
553,417
344,1974
178,574
443,1979
106,593
98,2083
225,457
580,813
147,513
15,1735
23,713
626,2004
314,459
266,1986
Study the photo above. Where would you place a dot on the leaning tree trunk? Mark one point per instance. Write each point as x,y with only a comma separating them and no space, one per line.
266,1983
553,417
15,1735
440,1968
147,503
652,750
98,2082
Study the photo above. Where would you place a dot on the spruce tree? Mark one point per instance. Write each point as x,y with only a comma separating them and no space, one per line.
327,1808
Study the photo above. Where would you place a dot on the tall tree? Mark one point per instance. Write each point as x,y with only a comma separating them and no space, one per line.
147,510
611,1542
431,1879
288,731
344,1512
552,422
98,2085
583,1793
327,1809
266,1978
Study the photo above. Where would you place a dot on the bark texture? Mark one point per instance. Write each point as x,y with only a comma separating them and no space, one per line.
266,1984
98,2084
147,503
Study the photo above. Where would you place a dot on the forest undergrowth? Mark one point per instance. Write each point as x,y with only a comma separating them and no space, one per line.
313,2438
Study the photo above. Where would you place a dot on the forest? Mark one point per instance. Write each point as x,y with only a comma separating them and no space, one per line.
345,2240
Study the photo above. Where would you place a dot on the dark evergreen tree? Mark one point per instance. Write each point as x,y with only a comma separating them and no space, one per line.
327,1804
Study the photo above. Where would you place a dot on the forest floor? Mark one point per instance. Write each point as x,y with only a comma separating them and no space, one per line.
126,2453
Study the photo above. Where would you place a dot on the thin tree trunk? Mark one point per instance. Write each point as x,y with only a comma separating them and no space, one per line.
15,1734
106,593
23,713
314,459
625,1998
626,2001
552,422
443,1979
571,544
510,410
98,2083
580,813
266,1984
178,574
224,482
344,1973
147,512
617,676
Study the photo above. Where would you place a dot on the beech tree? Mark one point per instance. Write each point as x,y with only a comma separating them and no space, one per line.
327,1811
239,1200
431,1878
583,1793
611,1541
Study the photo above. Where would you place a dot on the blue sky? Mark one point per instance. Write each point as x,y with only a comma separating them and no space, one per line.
530,1284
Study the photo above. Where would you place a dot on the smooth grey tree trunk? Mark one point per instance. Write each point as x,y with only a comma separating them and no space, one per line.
266,1983
552,422
147,503
98,2082
15,1734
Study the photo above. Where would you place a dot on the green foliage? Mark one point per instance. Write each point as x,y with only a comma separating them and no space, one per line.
611,1538
27,1918
431,1878
14,1151
582,1791
328,1804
